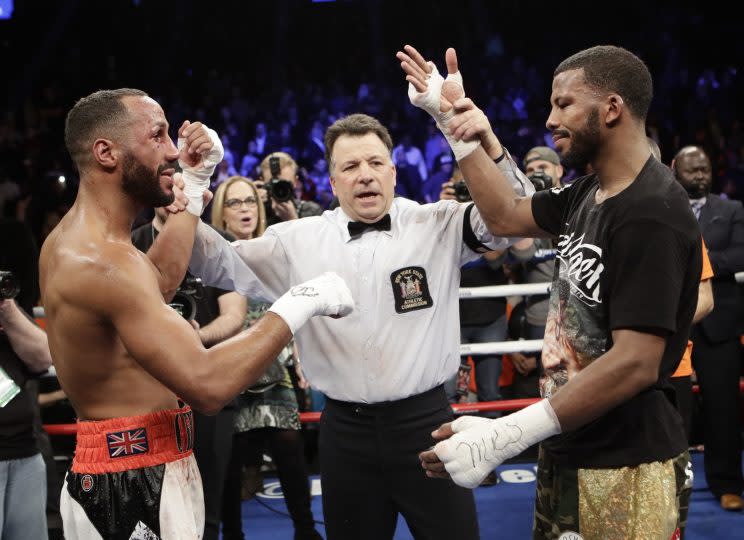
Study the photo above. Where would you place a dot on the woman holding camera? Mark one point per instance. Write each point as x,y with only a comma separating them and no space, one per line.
268,411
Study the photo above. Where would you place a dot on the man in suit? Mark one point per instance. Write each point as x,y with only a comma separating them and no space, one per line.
716,338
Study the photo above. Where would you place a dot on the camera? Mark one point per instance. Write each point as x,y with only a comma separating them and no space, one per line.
462,193
278,189
9,285
540,180
184,301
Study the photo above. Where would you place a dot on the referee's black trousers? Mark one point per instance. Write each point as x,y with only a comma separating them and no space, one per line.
370,472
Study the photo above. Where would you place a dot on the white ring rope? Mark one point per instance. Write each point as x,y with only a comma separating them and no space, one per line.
501,347
490,291
496,291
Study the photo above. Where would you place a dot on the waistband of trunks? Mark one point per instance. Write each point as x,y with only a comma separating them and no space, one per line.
133,442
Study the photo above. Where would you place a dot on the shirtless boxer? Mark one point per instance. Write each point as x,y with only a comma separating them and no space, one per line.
123,356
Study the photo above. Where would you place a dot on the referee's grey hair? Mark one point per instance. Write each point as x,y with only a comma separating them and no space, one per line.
355,125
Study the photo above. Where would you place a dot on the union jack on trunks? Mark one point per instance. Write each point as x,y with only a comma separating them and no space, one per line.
127,443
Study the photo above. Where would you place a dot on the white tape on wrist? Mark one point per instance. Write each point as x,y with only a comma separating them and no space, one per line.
430,101
196,178
477,447
459,148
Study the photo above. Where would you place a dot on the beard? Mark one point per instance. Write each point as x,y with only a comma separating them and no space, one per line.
584,144
143,184
697,190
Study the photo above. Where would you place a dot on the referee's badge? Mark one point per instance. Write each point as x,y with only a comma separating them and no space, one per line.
410,289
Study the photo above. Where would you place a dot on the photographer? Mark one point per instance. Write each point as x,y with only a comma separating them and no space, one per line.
23,352
278,188
216,315
537,257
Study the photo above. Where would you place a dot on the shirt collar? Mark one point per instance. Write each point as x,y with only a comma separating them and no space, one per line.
342,221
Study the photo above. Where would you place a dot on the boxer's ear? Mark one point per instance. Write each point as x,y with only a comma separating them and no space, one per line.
105,153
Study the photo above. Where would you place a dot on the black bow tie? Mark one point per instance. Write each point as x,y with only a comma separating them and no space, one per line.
357,227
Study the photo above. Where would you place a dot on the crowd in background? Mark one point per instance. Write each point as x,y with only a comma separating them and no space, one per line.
288,106
284,104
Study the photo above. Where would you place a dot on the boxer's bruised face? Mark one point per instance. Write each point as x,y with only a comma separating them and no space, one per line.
150,157
362,176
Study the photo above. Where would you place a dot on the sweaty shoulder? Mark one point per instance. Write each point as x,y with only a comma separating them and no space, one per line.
93,273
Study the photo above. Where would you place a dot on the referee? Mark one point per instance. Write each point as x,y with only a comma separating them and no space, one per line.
382,367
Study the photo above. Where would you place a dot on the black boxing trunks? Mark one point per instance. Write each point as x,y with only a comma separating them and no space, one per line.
134,478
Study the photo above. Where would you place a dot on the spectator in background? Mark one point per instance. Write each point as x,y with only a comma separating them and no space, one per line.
319,176
716,351
266,412
24,352
407,153
229,158
444,167
435,146
250,161
278,211
314,149
264,143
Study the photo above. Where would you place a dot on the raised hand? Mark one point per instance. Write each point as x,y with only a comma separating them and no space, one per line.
429,91
200,150
194,143
420,73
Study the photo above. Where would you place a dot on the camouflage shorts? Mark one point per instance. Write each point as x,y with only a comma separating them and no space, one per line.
649,501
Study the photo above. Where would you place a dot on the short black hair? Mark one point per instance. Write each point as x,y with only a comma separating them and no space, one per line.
93,116
613,69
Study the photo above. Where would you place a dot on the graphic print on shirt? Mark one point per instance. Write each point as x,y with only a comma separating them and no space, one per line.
575,331
410,289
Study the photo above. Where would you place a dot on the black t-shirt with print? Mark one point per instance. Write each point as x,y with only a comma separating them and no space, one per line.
631,262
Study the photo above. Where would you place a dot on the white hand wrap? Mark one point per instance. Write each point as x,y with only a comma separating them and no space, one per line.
477,448
326,294
196,179
429,101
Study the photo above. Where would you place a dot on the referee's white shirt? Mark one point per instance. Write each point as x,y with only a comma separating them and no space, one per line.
403,336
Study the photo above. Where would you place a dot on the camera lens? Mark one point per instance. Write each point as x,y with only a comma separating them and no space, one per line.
462,194
541,180
9,286
281,190
184,304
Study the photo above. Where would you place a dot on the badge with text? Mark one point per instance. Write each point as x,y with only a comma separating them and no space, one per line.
410,289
